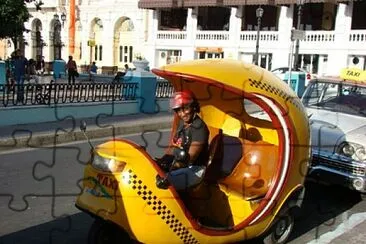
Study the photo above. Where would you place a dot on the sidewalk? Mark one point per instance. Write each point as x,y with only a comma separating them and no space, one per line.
351,231
47,134
356,235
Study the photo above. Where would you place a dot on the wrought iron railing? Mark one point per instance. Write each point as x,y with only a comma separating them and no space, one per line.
48,94
164,89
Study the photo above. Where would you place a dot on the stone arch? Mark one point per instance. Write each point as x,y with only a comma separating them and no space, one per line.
123,41
55,42
96,35
37,41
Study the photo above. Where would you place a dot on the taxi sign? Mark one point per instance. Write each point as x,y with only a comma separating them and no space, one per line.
91,43
353,74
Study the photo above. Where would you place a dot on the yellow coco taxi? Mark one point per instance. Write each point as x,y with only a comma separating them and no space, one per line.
254,177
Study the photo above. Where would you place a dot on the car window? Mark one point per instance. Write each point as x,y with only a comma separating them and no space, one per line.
313,94
330,93
349,99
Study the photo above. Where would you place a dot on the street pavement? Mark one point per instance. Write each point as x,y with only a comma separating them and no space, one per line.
57,132
351,231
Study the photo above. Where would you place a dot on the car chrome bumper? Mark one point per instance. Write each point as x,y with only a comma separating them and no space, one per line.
334,170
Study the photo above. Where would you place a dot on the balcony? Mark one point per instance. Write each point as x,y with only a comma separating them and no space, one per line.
314,40
357,39
212,38
268,39
318,40
171,38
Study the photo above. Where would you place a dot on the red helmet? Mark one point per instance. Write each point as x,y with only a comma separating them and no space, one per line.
181,98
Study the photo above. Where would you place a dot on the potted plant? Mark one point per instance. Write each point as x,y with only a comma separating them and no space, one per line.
140,62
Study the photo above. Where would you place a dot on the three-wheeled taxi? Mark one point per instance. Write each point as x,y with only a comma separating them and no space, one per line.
254,176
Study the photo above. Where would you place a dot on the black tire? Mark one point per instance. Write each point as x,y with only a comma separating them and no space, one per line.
104,232
281,229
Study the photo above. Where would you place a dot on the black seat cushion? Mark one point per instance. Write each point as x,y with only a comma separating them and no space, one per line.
232,153
226,154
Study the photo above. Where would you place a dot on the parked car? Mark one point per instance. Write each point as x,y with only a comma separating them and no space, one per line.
281,72
337,111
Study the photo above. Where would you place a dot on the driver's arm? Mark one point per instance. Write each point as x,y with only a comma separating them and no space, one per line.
193,151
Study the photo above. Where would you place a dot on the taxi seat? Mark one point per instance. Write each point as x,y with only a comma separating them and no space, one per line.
225,153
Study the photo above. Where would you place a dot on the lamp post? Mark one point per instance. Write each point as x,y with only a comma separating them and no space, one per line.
259,13
63,18
57,18
300,3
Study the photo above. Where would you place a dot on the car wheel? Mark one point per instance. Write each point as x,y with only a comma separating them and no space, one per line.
103,232
281,229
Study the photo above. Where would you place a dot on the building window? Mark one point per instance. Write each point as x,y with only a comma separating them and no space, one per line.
96,52
125,55
100,53
120,53
173,19
81,50
130,54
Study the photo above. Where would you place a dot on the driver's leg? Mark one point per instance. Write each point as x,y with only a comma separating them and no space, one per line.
165,162
185,178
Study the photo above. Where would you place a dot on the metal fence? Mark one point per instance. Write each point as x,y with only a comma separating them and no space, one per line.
53,93
164,89
34,94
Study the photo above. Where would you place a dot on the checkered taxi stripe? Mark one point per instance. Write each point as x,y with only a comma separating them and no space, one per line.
160,208
271,89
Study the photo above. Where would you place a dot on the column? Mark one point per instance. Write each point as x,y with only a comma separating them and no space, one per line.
107,58
65,41
234,33
337,58
281,55
153,23
28,37
46,38
191,29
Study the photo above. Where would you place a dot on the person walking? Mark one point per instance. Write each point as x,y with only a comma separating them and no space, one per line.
20,64
71,70
92,71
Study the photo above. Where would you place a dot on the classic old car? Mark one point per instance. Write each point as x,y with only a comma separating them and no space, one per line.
336,107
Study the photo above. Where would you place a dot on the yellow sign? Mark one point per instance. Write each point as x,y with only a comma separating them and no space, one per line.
353,74
209,49
91,43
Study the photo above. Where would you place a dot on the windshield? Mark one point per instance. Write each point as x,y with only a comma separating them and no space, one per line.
338,97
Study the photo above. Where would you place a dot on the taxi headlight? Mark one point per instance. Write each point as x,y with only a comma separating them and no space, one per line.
361,154
107,164
352,150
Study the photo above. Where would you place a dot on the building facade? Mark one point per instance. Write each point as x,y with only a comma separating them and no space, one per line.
113,32
335,32
108,32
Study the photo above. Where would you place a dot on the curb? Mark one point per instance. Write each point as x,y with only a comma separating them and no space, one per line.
46,139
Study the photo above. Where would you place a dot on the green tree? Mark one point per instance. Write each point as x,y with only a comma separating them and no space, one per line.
13,14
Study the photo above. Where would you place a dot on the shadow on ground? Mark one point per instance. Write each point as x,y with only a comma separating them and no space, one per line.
321,205
71,229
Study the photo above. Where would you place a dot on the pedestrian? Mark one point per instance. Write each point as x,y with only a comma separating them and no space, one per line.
20,67
92,71
71,70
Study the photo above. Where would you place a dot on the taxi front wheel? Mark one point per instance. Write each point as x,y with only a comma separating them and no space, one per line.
104,232
281,230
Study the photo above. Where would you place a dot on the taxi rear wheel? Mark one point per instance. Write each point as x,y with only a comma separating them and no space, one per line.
281,230
104,232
